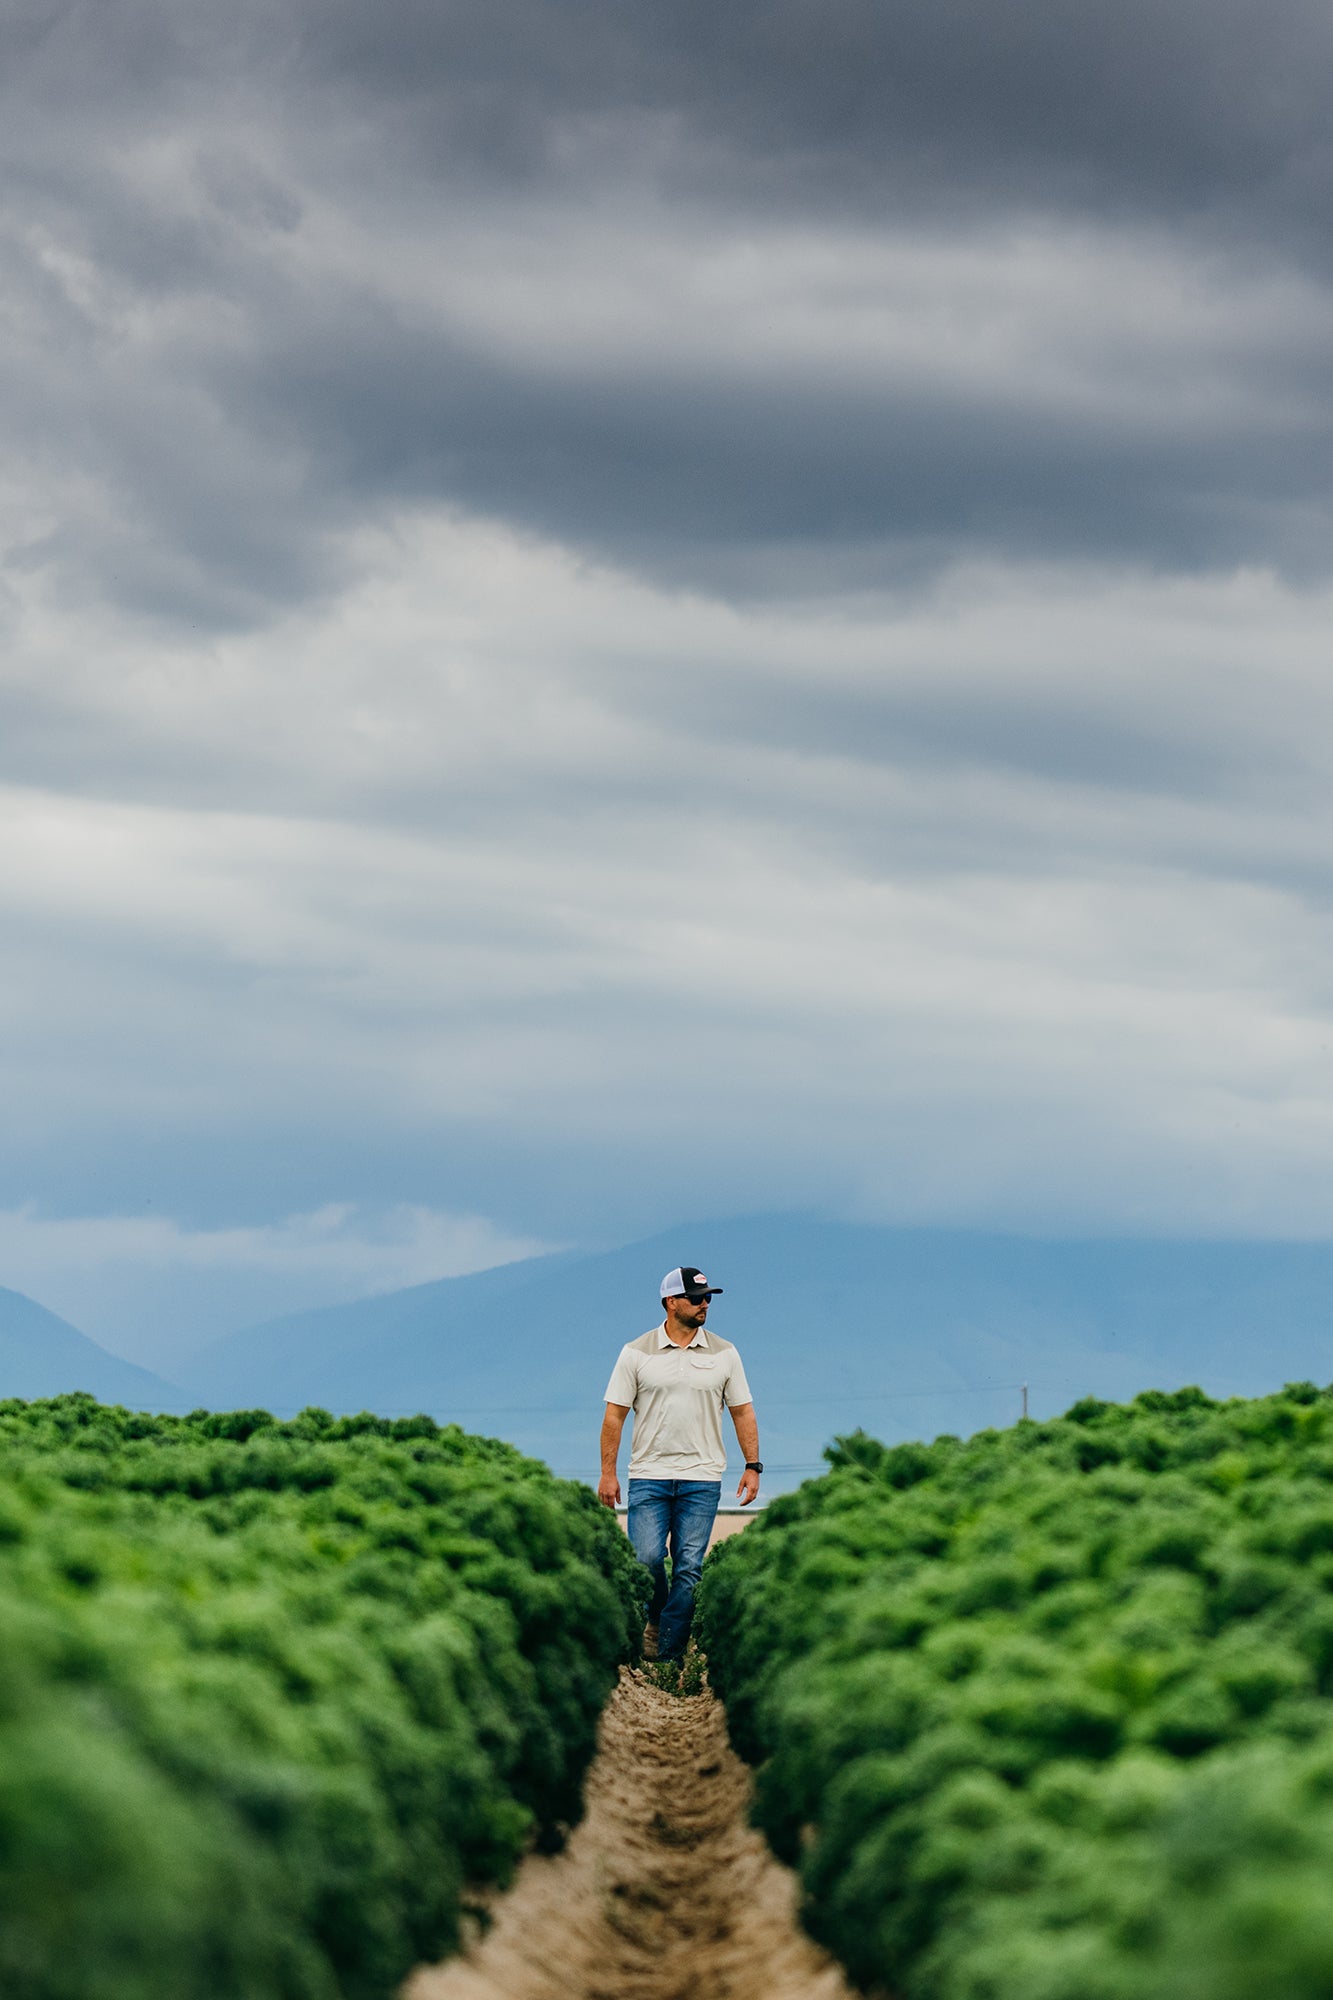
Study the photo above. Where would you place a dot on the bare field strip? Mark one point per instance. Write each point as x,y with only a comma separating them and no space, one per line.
664,1891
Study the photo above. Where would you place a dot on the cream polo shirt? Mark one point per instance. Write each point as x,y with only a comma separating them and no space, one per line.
677,1395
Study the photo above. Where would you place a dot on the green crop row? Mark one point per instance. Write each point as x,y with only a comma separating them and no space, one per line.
1048,1715
274,1698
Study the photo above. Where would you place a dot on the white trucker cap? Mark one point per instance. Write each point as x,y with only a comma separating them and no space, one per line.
687,1283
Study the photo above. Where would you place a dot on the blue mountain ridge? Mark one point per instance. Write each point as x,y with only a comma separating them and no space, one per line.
908,1332
43,1355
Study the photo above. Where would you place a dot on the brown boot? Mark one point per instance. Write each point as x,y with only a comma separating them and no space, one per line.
650,1642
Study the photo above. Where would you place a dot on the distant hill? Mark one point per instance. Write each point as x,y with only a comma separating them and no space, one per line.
42,1355
909,1332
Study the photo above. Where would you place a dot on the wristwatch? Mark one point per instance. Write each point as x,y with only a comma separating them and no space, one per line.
754,1465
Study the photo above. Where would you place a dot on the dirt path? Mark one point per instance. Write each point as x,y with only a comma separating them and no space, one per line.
664,1892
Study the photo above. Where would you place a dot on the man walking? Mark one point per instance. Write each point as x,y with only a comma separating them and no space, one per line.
677,1379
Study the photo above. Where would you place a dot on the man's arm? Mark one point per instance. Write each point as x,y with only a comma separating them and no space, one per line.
747,1437
613,1423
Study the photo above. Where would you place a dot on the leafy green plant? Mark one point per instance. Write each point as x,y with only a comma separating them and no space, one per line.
687,1676
1050,1713
273,1696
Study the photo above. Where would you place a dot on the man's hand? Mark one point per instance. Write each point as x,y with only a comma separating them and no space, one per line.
747,1437
613,1423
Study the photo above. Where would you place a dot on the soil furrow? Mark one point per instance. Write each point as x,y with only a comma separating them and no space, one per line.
664,1891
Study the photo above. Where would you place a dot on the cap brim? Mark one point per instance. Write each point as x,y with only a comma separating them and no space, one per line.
694,1297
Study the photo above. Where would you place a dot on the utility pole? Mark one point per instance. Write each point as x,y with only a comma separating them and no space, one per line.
1025,1402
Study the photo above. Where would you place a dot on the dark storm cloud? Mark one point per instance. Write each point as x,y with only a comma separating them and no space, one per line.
1149,106
724,482
231,242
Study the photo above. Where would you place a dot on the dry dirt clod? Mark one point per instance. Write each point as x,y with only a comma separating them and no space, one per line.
664,1891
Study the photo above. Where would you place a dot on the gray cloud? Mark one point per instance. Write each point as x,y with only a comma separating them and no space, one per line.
555,553
780,297
439,896
1149,107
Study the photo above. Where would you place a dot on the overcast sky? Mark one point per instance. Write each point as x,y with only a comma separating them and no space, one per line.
626,611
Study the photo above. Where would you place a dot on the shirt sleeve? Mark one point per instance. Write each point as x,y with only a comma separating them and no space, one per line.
624,1384
737,1389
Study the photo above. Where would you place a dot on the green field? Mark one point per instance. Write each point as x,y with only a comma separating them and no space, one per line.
1048,1715
275,1698
1042,1715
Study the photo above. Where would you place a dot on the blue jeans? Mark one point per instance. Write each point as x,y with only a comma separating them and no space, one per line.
681,1512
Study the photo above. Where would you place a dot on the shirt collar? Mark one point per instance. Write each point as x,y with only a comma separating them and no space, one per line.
664,1339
